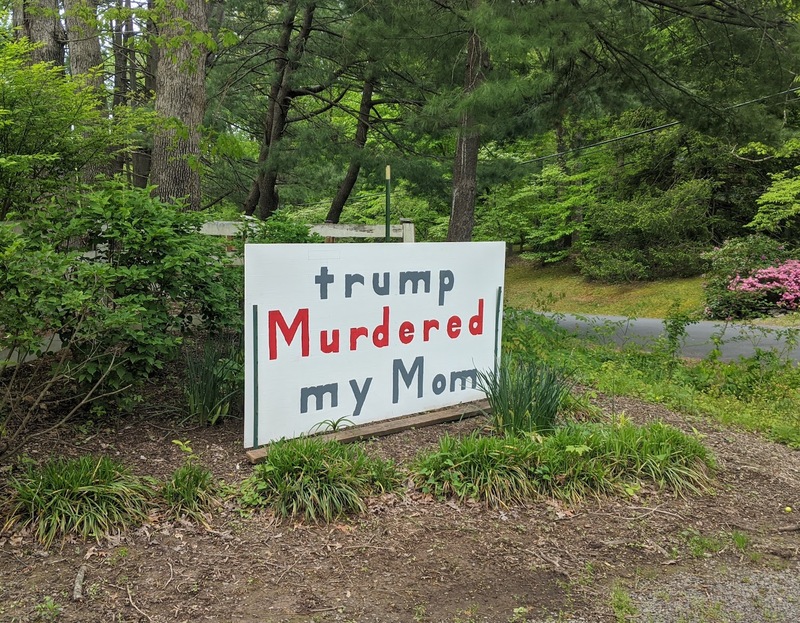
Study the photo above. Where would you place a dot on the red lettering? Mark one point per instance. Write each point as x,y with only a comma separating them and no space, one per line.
406,332
476,321
380,336
427,327
454,327
276,322
329,346
355,333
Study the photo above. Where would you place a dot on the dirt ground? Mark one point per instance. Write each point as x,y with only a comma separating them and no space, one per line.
730,555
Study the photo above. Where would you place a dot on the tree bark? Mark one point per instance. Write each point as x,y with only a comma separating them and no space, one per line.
350,178
86,60
263,199
40,23
180,98
145,92
465,165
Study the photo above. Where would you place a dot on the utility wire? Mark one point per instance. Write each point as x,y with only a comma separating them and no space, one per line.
649,130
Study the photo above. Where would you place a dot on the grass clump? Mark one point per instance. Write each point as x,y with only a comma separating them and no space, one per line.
495,470
191,490
576,461
319,480
87,496
212,380
524,396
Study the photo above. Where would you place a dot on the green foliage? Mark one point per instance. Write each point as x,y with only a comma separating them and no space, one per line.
87,496
779,205
51,129
320,480
740,257
758,393
190,490
539,213
278,228
524,396
494,470
145,275
213,378
575,461
48,609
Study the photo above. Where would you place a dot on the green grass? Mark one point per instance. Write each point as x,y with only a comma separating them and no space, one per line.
319,480
88,496
190,491
760,394
578,460
561,289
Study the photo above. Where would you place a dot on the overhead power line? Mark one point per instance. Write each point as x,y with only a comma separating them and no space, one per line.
649,130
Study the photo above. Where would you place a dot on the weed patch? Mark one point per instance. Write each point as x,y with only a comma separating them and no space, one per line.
319,480
87,496
576,461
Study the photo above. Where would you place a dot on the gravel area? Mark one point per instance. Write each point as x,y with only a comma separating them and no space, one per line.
722,595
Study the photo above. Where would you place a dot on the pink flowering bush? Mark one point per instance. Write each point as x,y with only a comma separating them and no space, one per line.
778,285
732,289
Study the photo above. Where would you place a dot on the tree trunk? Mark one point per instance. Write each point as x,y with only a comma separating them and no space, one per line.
40,23
180,97
350,178
465,165
263,199
145,92
86,60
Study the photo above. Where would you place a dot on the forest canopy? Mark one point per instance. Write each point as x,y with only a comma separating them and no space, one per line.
630,137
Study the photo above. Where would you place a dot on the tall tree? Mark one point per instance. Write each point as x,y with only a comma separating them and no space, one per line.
263,196
465,162
351,177
39,21
180,100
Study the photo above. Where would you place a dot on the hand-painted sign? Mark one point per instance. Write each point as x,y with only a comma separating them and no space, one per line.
365,332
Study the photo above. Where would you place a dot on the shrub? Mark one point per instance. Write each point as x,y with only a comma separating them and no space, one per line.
779,286
87,496
524,396
278,228
320,480
739,258
149,271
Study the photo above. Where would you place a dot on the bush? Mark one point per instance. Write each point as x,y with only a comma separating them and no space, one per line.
524,396
278,228
320,480
147,271
88,496
602,263
778,285
739,259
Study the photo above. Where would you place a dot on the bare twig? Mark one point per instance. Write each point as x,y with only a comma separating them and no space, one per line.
135,607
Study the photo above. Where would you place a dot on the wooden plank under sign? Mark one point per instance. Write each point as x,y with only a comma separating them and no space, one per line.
389,427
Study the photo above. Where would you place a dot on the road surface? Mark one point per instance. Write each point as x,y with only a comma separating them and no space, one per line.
737,340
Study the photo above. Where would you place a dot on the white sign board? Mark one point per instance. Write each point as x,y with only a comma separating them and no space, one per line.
365,332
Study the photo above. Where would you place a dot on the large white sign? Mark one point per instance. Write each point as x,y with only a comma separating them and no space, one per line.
365,332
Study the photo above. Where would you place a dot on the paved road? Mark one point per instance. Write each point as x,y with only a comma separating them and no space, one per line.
738,340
